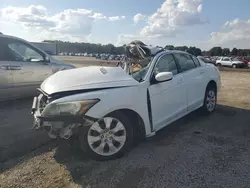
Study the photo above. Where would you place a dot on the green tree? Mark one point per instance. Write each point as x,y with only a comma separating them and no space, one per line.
169,47
215,51
234,51
225,51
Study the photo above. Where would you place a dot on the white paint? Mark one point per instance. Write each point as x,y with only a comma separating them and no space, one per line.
170,100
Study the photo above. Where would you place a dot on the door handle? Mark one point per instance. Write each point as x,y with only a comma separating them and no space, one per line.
15,67
201,71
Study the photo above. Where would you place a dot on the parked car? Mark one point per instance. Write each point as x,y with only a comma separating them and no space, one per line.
106,108
244,59
23,67
230,62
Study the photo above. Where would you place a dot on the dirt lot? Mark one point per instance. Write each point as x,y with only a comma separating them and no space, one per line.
196,151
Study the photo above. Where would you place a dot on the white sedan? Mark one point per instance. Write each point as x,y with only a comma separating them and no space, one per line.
106,108
230,62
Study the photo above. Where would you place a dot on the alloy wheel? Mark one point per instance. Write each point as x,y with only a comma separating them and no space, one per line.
211,100
107,136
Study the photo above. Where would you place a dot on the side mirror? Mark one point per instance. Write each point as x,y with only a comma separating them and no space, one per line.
164,76
47,59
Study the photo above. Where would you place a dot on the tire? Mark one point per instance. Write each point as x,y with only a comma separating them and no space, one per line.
234,66
96,144
210,99
218,64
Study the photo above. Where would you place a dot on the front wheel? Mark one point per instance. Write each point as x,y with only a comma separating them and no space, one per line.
108,138
210,99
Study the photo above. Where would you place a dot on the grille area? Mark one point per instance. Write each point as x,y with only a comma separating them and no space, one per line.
43,103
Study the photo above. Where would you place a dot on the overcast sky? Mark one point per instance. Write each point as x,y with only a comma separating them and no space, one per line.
200,23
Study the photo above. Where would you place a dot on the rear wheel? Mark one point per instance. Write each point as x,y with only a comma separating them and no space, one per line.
210,99
108,138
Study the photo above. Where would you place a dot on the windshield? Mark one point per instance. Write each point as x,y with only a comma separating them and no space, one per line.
139,75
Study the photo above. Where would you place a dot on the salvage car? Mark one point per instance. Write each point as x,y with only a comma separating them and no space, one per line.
23,67
106,108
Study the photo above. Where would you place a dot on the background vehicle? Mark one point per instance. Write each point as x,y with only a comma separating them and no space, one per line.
230,62
173,84
23,67
206,60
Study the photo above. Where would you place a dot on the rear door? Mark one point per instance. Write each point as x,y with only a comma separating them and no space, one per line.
5,73
193,75
28,65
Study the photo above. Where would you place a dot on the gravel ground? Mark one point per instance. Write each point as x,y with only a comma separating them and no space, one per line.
196,151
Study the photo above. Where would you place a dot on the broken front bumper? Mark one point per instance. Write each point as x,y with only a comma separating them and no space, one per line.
63,126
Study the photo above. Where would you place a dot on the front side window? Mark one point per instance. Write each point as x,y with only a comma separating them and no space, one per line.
185,61
166,63
19,51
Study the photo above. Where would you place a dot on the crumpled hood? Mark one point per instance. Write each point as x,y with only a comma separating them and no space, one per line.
92,77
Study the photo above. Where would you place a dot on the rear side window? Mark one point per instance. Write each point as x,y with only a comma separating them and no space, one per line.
196,61
185,62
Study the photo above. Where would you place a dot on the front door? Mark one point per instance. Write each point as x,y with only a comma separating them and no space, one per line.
168,99
28,67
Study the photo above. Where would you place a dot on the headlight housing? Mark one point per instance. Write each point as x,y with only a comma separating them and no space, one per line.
69,108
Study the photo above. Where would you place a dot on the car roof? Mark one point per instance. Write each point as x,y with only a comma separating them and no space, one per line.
171,52
11,37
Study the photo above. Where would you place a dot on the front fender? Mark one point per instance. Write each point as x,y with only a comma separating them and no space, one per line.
131,98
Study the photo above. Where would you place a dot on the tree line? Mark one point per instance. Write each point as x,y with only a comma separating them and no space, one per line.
76,47
82,47
215,51
218,51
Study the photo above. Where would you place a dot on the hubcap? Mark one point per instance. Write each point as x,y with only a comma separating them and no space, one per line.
107,136
211,100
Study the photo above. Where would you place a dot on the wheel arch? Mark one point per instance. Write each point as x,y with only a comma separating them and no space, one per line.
212,83
135,119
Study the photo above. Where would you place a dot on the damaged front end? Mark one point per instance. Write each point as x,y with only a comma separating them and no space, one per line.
60,119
